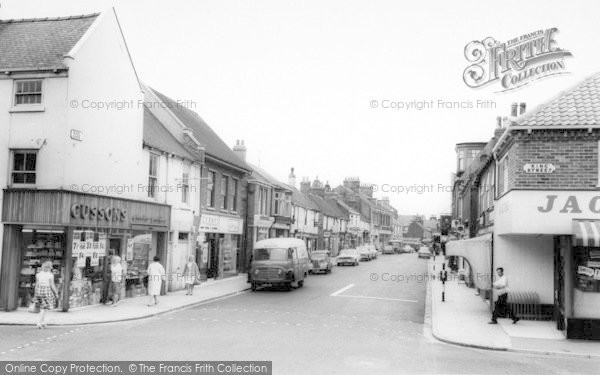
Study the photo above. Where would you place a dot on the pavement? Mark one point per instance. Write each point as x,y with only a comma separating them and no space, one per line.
463,317
368,319
132,308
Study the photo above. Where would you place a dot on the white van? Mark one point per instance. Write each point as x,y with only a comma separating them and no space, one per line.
280,262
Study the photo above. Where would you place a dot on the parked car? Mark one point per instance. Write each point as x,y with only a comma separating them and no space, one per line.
365,253
279,262
348,256
408,249
320,261
388,249
424,252
373,250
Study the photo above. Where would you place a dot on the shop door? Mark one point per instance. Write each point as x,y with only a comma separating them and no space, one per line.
559,282
213,258
114,248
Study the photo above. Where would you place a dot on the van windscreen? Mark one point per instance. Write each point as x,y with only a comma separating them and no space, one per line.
271,254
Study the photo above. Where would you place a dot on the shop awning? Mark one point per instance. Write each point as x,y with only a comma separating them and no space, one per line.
586,233
478,252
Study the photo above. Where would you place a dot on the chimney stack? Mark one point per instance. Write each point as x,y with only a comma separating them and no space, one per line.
240,149
305,185
292,178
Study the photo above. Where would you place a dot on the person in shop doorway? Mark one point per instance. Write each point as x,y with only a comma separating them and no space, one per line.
156,274
500,288
191,275
116,276
106,278
45,292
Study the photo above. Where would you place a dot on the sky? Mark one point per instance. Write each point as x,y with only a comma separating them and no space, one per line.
305,83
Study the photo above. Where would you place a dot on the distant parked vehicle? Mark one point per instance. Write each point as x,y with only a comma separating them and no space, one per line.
408,249
365,253
348,256
320,261
388,249
424,252
373,250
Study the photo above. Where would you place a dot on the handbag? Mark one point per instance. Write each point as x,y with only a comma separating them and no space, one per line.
33,308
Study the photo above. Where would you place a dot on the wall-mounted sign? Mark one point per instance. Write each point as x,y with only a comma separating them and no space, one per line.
220,224
76,135
544,168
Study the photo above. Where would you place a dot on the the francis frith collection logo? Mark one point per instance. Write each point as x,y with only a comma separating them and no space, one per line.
515,63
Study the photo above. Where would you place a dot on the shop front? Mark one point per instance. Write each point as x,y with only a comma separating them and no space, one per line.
219,249
78,233
550,242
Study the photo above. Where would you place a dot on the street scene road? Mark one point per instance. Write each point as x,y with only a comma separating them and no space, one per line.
355,320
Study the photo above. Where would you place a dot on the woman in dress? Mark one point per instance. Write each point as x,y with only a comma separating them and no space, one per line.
45,291
191,273
156,274
116,278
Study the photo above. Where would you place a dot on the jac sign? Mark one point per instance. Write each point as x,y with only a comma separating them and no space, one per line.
544,211
570,204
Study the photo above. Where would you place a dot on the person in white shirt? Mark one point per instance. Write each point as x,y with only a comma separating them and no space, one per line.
116,276
45,291
500,288
156,274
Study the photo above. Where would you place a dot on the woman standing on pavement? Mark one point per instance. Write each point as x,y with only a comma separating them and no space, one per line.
45,291
156,273
191,274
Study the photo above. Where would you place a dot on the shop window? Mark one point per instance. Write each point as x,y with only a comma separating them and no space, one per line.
28,92
24,167
210,189
224,191
39,247
88,284
587,268
153,175
234,193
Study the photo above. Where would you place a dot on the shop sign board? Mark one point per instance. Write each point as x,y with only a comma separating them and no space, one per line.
544,211
263,221
220,224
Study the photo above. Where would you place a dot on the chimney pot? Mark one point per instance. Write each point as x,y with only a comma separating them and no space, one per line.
513,110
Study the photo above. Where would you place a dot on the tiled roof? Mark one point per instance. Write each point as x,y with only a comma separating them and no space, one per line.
300,199
40,44
327,208
157,136
215,147
263,176
579,106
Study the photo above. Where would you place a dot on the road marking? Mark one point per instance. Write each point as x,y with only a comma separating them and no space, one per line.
334,294
379,298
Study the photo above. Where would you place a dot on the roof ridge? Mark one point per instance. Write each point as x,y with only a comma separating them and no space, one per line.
44,19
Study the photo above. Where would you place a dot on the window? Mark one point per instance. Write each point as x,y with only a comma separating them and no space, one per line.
183,236
185,184
24,167
503,176
28,92
279,201
210,189
224,191
153,175
461,160
234,193
263,201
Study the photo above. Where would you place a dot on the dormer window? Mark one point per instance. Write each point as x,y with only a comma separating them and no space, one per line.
28,92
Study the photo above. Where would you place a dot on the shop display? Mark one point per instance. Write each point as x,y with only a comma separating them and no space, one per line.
37,249
587,269
89,251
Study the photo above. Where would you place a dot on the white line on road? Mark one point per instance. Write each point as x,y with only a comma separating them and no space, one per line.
379,298
342,290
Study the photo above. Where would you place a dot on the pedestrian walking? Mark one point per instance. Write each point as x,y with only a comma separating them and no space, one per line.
116,277
500,287
156,274
191,275
45,292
